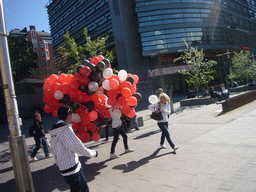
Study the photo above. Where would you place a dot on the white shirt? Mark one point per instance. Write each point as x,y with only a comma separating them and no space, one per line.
115,122
65,145
166,108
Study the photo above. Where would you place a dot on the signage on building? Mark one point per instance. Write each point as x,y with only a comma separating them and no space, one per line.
167,70
245,47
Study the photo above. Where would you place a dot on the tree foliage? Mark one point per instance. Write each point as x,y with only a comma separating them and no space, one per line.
23,58
201,71
243,66
88,50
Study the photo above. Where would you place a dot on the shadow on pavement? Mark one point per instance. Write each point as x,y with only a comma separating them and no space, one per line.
147,134
132,165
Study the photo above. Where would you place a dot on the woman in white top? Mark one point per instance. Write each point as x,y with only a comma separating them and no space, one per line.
163,106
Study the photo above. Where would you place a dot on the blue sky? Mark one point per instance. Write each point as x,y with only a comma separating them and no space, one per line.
23,13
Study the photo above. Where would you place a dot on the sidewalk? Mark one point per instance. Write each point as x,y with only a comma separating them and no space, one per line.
217,152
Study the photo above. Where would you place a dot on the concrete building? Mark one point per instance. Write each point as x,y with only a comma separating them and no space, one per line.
42,45
148,33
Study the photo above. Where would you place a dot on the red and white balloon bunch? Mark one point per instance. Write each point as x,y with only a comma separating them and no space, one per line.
89,92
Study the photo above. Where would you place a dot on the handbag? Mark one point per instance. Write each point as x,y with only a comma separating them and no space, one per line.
156,116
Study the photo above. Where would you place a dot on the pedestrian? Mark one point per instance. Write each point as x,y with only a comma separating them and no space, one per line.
117,130
65,146
163,106
159,91
37,130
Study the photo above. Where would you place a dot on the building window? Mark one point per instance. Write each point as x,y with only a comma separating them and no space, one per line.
45,46
38,63
42,45
44,63
48,62
43,54
45,71
47,55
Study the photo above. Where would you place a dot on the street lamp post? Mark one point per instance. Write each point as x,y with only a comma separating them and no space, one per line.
17,142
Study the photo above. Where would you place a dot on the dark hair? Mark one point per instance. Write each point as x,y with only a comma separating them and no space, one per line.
64,111
35,115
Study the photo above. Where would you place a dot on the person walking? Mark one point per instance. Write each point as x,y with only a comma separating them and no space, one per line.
65,146
163,106
37,130
117,130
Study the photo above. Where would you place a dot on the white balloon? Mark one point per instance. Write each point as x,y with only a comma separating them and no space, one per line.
76,118
116,114
93,86
100,91
107,73
153,99
122,74
105,85
58,95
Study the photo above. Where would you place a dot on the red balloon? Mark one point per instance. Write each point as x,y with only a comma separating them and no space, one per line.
47,109
95,136
122,100
85,137
53,78
126,92
111,94
136,79
64,88
47,85
114,84
91,127
56,86
102,108
86,71
132,101
97,102
112,101
131,114
93,115
133,89
74,84
126,109
62,78
86,119
76,126
94,60
54,113
94,97
127,84
100,57
69,78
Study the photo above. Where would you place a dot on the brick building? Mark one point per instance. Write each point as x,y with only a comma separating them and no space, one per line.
42,45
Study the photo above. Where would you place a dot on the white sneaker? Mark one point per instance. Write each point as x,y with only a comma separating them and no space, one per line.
49,156
175,148
129,150
162,147
33,158
114,156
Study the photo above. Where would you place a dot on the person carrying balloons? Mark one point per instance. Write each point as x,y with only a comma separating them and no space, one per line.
163,106
117,130
65,146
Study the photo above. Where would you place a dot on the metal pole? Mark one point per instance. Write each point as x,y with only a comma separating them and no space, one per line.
21,168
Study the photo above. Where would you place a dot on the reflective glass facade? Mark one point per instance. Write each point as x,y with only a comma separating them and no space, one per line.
208,24
74,16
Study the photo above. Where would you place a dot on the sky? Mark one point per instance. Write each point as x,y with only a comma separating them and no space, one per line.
23,13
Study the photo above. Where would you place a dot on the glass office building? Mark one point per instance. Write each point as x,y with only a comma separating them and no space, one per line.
208,24
144,30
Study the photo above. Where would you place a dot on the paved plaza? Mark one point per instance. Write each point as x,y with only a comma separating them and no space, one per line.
217,152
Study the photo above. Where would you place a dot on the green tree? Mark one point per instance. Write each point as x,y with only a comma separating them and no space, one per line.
243,66
200,72
23,58
89,49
